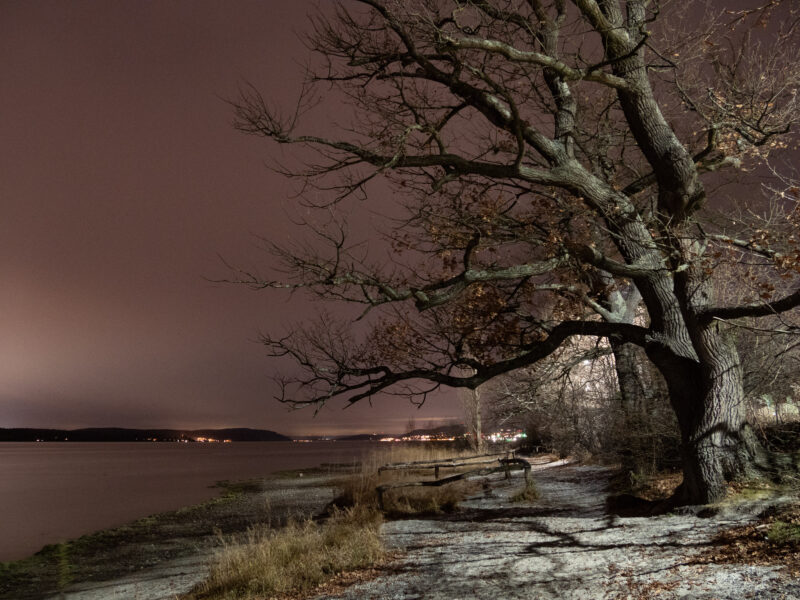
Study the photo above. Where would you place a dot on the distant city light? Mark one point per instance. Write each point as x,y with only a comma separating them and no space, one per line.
506,435
502,435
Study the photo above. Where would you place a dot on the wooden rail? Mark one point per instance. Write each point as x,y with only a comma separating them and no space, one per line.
436,465
506,465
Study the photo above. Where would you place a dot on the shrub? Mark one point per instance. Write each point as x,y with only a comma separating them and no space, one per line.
783,533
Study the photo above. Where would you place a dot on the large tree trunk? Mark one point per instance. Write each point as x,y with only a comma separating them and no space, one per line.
718,446
471,401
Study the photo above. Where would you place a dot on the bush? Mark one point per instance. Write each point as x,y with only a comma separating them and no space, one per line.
783,533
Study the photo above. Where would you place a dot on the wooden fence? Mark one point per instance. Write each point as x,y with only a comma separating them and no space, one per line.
507,464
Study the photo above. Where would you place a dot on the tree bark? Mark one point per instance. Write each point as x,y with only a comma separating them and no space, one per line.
718,446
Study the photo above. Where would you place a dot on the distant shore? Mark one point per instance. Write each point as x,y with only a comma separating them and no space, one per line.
122,434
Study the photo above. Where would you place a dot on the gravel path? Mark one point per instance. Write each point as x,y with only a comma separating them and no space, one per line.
564,546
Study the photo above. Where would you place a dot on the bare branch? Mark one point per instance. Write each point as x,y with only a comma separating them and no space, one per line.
762,309
567,72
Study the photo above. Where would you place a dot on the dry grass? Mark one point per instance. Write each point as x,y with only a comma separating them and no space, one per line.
305,556
528,493
428,500
401,453
294,559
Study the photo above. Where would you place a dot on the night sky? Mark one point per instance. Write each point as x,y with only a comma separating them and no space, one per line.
122,181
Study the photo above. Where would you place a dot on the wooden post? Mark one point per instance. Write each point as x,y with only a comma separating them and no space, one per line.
436,472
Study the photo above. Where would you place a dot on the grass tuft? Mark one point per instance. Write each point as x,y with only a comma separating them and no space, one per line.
783,533
64,568
528,493
428,500
296,558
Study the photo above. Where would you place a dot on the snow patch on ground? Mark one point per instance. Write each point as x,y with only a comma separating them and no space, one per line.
563,546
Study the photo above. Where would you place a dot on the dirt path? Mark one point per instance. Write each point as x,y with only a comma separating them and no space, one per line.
564,546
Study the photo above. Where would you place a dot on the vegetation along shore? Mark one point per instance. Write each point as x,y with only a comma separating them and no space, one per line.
375,530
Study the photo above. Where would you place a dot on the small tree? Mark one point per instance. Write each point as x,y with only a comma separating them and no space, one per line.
551,156
472,403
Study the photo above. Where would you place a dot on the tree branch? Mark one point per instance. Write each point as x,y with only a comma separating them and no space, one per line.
761,309
567,72
378,379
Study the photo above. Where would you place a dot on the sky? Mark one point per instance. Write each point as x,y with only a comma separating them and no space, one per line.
122,183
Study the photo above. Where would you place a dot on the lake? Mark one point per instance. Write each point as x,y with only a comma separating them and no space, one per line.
55,491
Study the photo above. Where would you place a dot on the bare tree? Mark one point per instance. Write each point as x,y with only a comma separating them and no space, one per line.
567,402
550,155
411,425
572,402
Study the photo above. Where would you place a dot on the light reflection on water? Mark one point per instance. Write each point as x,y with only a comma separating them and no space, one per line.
56,491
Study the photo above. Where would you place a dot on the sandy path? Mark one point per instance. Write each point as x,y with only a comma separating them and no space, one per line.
564,546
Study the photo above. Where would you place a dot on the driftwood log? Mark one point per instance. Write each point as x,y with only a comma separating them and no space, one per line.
505,465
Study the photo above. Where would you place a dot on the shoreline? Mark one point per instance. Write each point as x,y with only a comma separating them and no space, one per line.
563,544
60,491
173,547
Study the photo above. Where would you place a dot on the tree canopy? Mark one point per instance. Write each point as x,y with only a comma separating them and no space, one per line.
560,164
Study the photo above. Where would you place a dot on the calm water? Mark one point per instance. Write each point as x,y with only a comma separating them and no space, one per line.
53,491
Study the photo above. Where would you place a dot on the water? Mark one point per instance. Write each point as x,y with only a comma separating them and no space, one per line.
51,492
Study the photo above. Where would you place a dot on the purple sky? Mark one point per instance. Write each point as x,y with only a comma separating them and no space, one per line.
121,180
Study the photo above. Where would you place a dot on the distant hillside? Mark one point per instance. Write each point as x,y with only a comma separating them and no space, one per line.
118,434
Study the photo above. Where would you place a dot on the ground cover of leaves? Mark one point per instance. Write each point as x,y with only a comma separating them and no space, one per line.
772,540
